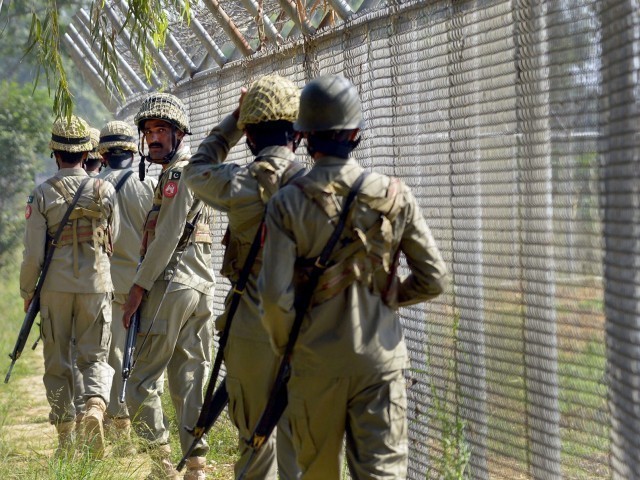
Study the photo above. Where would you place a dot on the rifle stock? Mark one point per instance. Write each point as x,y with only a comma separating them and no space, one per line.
129,350
25,330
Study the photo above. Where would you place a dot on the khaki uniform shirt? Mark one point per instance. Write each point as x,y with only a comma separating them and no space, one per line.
44,211
176,205
135,198
233,189
354,332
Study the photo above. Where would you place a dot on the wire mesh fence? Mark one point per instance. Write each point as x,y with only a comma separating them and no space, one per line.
515,123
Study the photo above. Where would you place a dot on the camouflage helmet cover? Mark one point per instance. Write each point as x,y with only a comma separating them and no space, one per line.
72,136
329,102
163,106
94,134
117,134
270,98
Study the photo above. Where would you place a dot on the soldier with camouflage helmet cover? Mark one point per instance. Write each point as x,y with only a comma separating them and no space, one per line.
347,364
266,114
117,146
174,288
77,290
93,163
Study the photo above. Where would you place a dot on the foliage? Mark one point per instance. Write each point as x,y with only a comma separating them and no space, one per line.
24,134
146,20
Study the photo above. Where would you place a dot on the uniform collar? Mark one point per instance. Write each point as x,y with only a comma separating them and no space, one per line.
71,172
278,151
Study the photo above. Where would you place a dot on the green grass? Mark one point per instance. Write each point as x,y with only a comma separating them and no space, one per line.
27,441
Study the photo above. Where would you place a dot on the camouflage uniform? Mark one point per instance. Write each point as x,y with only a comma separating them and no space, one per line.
180,338
135,199
240,192
347,363
77,292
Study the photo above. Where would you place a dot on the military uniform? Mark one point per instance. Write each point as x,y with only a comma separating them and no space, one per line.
347,363
249,360
180,339
135,199
77,292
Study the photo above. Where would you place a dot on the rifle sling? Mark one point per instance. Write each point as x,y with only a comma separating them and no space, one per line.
123,179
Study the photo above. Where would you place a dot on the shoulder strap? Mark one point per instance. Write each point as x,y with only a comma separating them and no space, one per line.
123,179
302,302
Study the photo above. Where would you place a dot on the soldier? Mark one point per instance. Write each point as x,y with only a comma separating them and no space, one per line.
347,363
176,282
93,163
76,295
117,146
266,113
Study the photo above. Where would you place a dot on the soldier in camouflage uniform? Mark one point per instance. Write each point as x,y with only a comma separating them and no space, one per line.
77,292
117,145
176,282
347,365
266,114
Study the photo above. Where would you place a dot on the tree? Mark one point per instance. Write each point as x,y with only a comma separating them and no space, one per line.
25,128
146,18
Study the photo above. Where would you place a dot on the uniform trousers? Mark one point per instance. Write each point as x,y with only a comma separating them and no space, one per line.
251,368
368,411
87,317
180,341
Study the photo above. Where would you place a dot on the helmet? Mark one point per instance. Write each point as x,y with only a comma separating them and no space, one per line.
117,134
163,106
329,102
94,134
71,136
269,98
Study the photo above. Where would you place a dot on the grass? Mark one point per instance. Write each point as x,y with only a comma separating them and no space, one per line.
27,440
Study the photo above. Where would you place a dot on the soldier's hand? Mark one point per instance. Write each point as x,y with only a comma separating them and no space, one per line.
27,302
133,302
236,112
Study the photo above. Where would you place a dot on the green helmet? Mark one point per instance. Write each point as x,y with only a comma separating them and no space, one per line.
72,136
270,98
117,134
94,133
163,106
329,102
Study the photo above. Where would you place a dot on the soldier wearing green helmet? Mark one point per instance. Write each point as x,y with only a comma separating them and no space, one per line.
75,301
347,363
117,146
265,115
173,287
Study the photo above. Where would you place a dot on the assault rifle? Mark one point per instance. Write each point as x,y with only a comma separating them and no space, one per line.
34,306
129,350
278,399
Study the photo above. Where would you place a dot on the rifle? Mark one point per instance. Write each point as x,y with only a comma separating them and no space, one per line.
34,306
214,402
278,398
129,350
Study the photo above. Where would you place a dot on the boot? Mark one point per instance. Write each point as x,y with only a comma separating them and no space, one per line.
66,438
92,426
161,464
121,434
195,468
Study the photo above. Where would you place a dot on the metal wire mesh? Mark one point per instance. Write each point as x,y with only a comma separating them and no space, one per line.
515,123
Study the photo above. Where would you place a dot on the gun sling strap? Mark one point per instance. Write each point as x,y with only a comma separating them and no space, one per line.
293,171
278,394
34,306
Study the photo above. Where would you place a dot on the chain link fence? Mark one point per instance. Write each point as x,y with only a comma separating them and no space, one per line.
516,125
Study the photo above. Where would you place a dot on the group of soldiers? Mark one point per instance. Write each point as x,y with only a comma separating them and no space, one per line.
140,247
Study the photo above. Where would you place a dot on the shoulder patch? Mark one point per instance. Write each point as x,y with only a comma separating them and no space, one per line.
30,199
170,189
175,175
27,212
